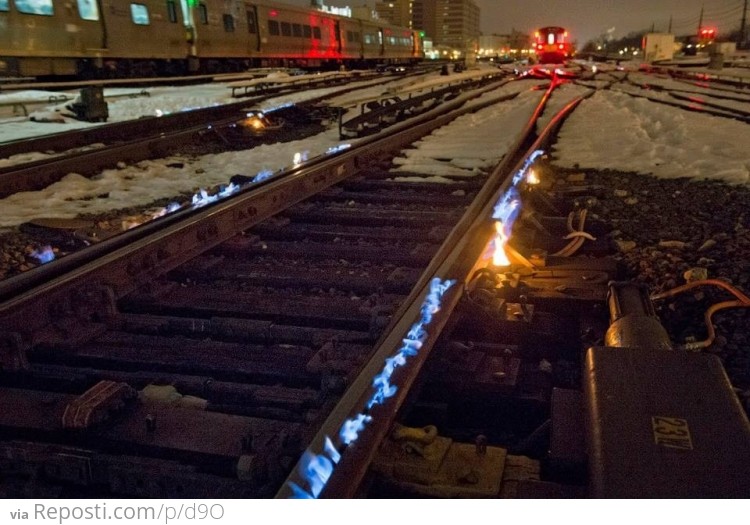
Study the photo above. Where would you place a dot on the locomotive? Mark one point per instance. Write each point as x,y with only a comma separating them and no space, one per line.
550,45
133,38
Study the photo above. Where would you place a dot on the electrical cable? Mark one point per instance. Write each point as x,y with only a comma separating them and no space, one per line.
742,301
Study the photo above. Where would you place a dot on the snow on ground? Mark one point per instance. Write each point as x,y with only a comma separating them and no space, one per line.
160,101
560,97
147,181
608,130
665,82
143,183
471,143
717,104
614,130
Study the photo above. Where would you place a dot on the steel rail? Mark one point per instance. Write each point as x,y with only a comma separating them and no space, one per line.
162,134
118,265
450,262
725,113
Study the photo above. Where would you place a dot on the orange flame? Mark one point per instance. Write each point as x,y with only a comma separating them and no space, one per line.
532,179
499,257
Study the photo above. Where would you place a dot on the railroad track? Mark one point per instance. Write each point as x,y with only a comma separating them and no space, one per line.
128,141
357,339
267,343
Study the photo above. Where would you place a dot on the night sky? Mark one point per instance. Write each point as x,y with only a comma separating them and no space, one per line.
587,19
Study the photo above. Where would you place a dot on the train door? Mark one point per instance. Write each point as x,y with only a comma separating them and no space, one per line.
253,28
381,42
144,30
190,36
337,33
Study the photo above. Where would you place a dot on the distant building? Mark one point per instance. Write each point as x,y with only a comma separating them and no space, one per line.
423,17
397,12
516,44
519,41
493,45
452,24
364,13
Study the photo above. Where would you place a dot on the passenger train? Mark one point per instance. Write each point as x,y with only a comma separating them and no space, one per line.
551,45
115,38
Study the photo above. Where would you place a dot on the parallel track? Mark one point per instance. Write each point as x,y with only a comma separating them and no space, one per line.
283,336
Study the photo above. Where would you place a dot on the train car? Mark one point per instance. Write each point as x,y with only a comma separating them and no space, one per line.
551,45
41,38
400,43
116,38
140,39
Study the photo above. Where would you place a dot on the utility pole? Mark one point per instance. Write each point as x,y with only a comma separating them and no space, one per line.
670,24
743,36
700,21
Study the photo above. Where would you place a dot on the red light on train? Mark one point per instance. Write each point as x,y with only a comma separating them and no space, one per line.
539,46
561,46
273,12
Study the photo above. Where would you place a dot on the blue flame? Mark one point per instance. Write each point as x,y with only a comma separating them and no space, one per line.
262,175
330,449
202,198
316,469
276,108
228,190
44,255
508,206
507,209
336,149
521,174
351,428
298,492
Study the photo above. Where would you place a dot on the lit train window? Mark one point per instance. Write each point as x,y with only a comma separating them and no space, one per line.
286,29
297,30
139,14
551,38
88,10
171,11
35,7
307,30
4,5
251,27
273,28
316,33
228,23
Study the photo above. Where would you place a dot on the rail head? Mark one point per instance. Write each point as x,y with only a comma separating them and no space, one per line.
338,458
